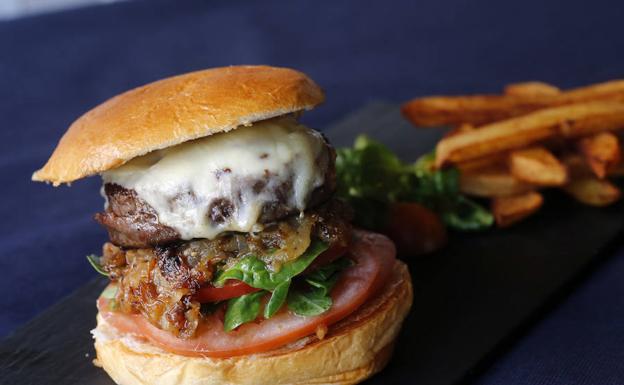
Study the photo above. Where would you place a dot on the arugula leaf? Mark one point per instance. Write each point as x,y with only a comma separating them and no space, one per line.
255,273
371,170
371,177
308,304
467,215
439,190
278,297
242,309
94,261
324,278
317,300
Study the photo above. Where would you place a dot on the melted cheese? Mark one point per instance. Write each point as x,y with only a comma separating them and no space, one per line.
246,168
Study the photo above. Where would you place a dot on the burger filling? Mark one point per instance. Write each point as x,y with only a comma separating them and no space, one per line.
239,223
168,284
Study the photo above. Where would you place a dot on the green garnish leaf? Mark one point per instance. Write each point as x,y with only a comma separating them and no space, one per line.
467,215
371,177
316,300
278,297
255,273
94,261
242,309
324,278
308,304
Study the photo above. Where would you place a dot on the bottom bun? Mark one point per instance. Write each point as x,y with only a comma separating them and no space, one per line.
352,350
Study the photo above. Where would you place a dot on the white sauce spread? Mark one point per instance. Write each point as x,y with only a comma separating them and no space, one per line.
246,167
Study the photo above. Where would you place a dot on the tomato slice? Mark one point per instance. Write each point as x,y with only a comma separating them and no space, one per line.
231,289
374,257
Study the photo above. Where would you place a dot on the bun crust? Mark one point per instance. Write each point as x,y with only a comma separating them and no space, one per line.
353,350
175,110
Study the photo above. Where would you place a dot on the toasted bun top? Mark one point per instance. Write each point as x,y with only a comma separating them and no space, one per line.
175,110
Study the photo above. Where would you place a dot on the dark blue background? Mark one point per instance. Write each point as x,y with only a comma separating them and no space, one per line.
55,67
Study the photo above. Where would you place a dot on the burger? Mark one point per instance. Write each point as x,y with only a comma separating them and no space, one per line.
230,261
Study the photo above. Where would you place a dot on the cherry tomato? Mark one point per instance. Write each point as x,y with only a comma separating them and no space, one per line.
415,229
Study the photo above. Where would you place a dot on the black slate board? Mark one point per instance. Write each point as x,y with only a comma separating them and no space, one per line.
471,299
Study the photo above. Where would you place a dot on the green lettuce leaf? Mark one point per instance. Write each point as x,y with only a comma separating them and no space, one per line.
315,299
242,309
439,190
278,297
309,299
371,177
255,273
324,278
467,215
308,304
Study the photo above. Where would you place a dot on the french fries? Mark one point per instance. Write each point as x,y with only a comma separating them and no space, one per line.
567,122
491,182
538,166
518,100
528,89
483,163
593,191
601,152
533,136
512,209
440,111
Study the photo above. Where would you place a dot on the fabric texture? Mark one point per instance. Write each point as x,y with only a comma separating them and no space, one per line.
55,67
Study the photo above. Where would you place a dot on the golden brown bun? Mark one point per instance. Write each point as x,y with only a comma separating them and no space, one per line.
175,110
353,350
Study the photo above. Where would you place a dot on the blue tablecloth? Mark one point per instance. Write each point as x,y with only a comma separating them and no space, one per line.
55,67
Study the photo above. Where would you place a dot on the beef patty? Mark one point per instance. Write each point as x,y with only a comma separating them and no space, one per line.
132,222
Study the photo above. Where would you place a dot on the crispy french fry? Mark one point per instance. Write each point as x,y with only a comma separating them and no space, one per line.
482,109
512,209
538,166
593,191
483,163
568,122
601,152
531,89
492,182
611,90
438,111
